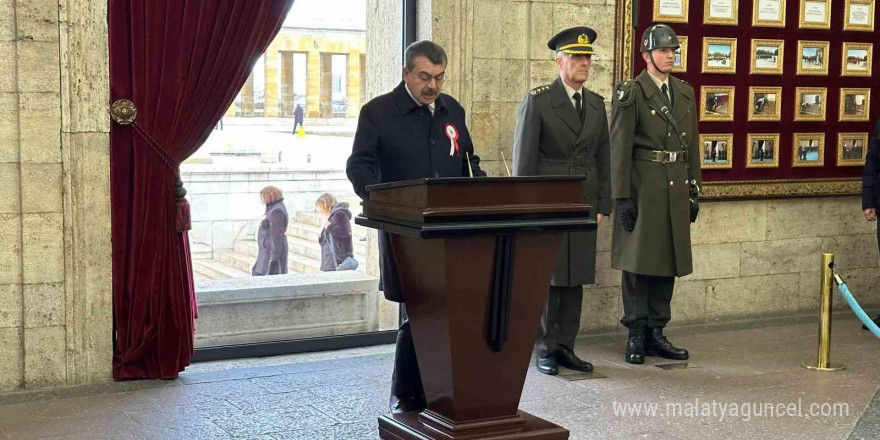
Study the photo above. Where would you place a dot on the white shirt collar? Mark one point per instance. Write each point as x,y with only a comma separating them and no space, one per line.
570,91
430,106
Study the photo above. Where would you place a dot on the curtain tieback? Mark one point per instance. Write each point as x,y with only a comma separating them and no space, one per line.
124,112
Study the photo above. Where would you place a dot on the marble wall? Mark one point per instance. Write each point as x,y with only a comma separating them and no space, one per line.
55,304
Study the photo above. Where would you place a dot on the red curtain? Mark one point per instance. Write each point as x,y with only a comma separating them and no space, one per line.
181,62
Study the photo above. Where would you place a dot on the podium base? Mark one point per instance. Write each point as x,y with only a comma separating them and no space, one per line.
407,426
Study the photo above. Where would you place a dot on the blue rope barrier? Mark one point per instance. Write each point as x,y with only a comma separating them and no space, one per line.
854,305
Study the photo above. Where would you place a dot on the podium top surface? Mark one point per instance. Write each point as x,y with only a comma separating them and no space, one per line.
471,180
436,207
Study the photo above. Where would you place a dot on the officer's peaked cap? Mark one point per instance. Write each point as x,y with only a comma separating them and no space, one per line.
577,40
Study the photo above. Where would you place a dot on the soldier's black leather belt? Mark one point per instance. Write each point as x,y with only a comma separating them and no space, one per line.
659,156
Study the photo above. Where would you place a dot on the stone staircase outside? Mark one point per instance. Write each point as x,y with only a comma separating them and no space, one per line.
302,240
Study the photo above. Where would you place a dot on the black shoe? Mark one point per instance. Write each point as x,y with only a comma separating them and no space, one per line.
876,321
547,365
567,359
398,405
657,345
635,346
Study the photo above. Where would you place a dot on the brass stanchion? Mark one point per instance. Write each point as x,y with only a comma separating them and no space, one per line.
823,359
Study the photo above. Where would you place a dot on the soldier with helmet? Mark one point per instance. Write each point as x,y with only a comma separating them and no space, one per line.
562,129
655,184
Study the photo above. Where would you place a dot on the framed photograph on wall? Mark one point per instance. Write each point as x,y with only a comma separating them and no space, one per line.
815,14
717,150
675,11
716,103
851,149
681,61
809,103
763,150
720,12
859,15
765,103
808,150
812,57
856,59
719,55
767,57
855,104
768,13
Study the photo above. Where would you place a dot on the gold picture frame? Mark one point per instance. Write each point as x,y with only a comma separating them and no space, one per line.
723,56
716,151
728,7
856,59
767,63
716,103
758,152
808,150
670,11
855,104
815,14
813,57
805,107
768,8
765,103
859,16
681,54
852,148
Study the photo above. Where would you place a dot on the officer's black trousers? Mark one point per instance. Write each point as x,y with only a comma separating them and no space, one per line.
561,319
407,393
646,300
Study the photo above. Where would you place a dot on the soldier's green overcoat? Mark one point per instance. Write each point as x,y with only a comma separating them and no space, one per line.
551,139
660,244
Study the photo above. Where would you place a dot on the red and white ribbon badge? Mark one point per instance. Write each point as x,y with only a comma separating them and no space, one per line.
452,134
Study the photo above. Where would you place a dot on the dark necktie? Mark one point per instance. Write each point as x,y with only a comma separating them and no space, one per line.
666,94
577,105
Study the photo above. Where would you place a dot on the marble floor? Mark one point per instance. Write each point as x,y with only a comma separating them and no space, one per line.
737,371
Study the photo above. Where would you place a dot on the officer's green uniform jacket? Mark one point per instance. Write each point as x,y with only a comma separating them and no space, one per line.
550,139
660,244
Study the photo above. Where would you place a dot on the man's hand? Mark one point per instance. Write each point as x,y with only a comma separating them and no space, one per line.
599,218
871,214
627,212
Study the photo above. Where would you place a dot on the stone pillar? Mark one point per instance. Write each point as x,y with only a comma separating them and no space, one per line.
272,90
353,84
286,104
326,91
313,84
247,97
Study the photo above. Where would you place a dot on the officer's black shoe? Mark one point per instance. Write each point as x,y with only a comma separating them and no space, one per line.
876,321
547,365
657,345
635,345
568,359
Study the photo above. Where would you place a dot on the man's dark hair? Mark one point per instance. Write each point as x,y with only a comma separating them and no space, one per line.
429,49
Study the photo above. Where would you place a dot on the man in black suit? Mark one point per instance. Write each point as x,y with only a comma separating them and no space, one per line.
415,131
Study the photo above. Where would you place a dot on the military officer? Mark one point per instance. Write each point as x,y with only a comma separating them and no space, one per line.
562,129
655,184
405,134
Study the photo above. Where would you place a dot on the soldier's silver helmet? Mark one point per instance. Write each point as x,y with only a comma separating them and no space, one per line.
659,36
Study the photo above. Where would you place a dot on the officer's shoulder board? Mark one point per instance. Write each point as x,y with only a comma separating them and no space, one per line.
540,90
625,93
592,92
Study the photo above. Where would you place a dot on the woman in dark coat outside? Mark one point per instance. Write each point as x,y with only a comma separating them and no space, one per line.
871,183
337,251
272,238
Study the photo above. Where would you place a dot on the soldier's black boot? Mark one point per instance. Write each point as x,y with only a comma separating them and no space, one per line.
635,345
657,345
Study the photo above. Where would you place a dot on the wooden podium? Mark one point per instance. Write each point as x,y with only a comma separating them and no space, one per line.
475,256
